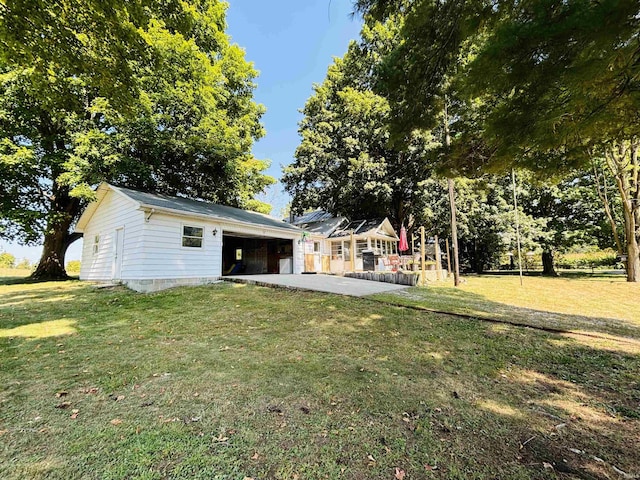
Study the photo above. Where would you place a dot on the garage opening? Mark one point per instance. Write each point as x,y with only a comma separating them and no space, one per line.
252,255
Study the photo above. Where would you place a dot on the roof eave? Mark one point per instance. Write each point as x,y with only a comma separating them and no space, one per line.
288,228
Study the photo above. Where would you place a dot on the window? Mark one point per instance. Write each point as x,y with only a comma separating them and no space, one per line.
347,251
336,250
316,247
96,244
192,236
361,245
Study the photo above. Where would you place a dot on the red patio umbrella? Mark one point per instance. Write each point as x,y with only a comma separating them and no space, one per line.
403,240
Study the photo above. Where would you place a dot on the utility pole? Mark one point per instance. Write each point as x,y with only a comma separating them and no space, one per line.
515,209
452,202
422,254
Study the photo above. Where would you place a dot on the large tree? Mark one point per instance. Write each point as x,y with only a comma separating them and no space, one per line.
143,94
554,83
345,162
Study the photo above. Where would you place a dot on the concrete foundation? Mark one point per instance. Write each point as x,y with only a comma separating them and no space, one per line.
155,285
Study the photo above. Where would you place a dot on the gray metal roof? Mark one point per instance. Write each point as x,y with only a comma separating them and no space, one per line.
319,222
358,226
188,206
312,217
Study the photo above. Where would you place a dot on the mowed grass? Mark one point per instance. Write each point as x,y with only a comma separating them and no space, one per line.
587,303
235,382
9,274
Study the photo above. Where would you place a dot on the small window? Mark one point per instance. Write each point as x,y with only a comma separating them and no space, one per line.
316,247
361,246
96,244
336,250
192,236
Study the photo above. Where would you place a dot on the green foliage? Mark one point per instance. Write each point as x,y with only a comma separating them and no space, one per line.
7,260
344,163
73,267
589,259
143,94
545,85
25,264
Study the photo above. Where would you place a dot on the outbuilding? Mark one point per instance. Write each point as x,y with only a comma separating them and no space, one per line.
150,241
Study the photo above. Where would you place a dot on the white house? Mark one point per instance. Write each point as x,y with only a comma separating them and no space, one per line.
150,241
328,241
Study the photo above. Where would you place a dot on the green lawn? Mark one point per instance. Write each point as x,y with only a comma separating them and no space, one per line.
234,382
604,304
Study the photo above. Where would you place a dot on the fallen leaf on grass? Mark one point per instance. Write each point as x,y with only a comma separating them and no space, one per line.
400,474
62,394
116,421
63,405
547,466
74,413
255,456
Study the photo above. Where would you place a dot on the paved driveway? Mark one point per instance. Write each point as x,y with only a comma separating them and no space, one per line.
319,283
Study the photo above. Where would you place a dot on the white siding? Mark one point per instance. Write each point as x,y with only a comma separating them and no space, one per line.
153,248
165,257
115,211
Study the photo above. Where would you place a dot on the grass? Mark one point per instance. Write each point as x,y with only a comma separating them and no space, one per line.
9,274
587,303
234,382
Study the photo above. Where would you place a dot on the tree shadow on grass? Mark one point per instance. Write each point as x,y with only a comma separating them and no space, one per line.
409,389
454,301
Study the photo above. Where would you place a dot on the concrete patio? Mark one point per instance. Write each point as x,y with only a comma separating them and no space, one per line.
319,283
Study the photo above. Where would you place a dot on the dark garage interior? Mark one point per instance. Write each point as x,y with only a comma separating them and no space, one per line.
243,254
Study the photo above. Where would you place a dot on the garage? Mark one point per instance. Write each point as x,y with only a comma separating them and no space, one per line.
244,254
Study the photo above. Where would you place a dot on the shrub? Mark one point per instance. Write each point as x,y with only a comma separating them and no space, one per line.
25,264
595,259
7,260
73,267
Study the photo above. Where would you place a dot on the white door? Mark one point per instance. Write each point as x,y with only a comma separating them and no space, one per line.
118,242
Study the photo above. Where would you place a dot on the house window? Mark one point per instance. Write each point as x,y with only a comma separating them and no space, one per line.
316,247
192,236
336,250
96,244
346,249
361,245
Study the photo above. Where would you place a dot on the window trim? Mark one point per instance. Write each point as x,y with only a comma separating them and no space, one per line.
95,246
183,236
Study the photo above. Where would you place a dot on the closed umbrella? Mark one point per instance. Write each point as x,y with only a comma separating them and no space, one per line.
403,240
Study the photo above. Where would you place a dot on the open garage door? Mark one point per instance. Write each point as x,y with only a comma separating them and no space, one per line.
248,254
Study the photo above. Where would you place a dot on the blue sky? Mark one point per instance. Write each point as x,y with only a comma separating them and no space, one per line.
291,43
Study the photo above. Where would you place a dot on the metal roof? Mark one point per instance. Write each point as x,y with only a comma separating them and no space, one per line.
358,226
318,222
312,217
198,207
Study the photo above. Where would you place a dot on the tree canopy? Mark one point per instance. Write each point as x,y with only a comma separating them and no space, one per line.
345,162
149,95
546,85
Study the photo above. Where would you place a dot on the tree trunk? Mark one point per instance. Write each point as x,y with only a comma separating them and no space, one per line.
548,268
622,159
64,210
